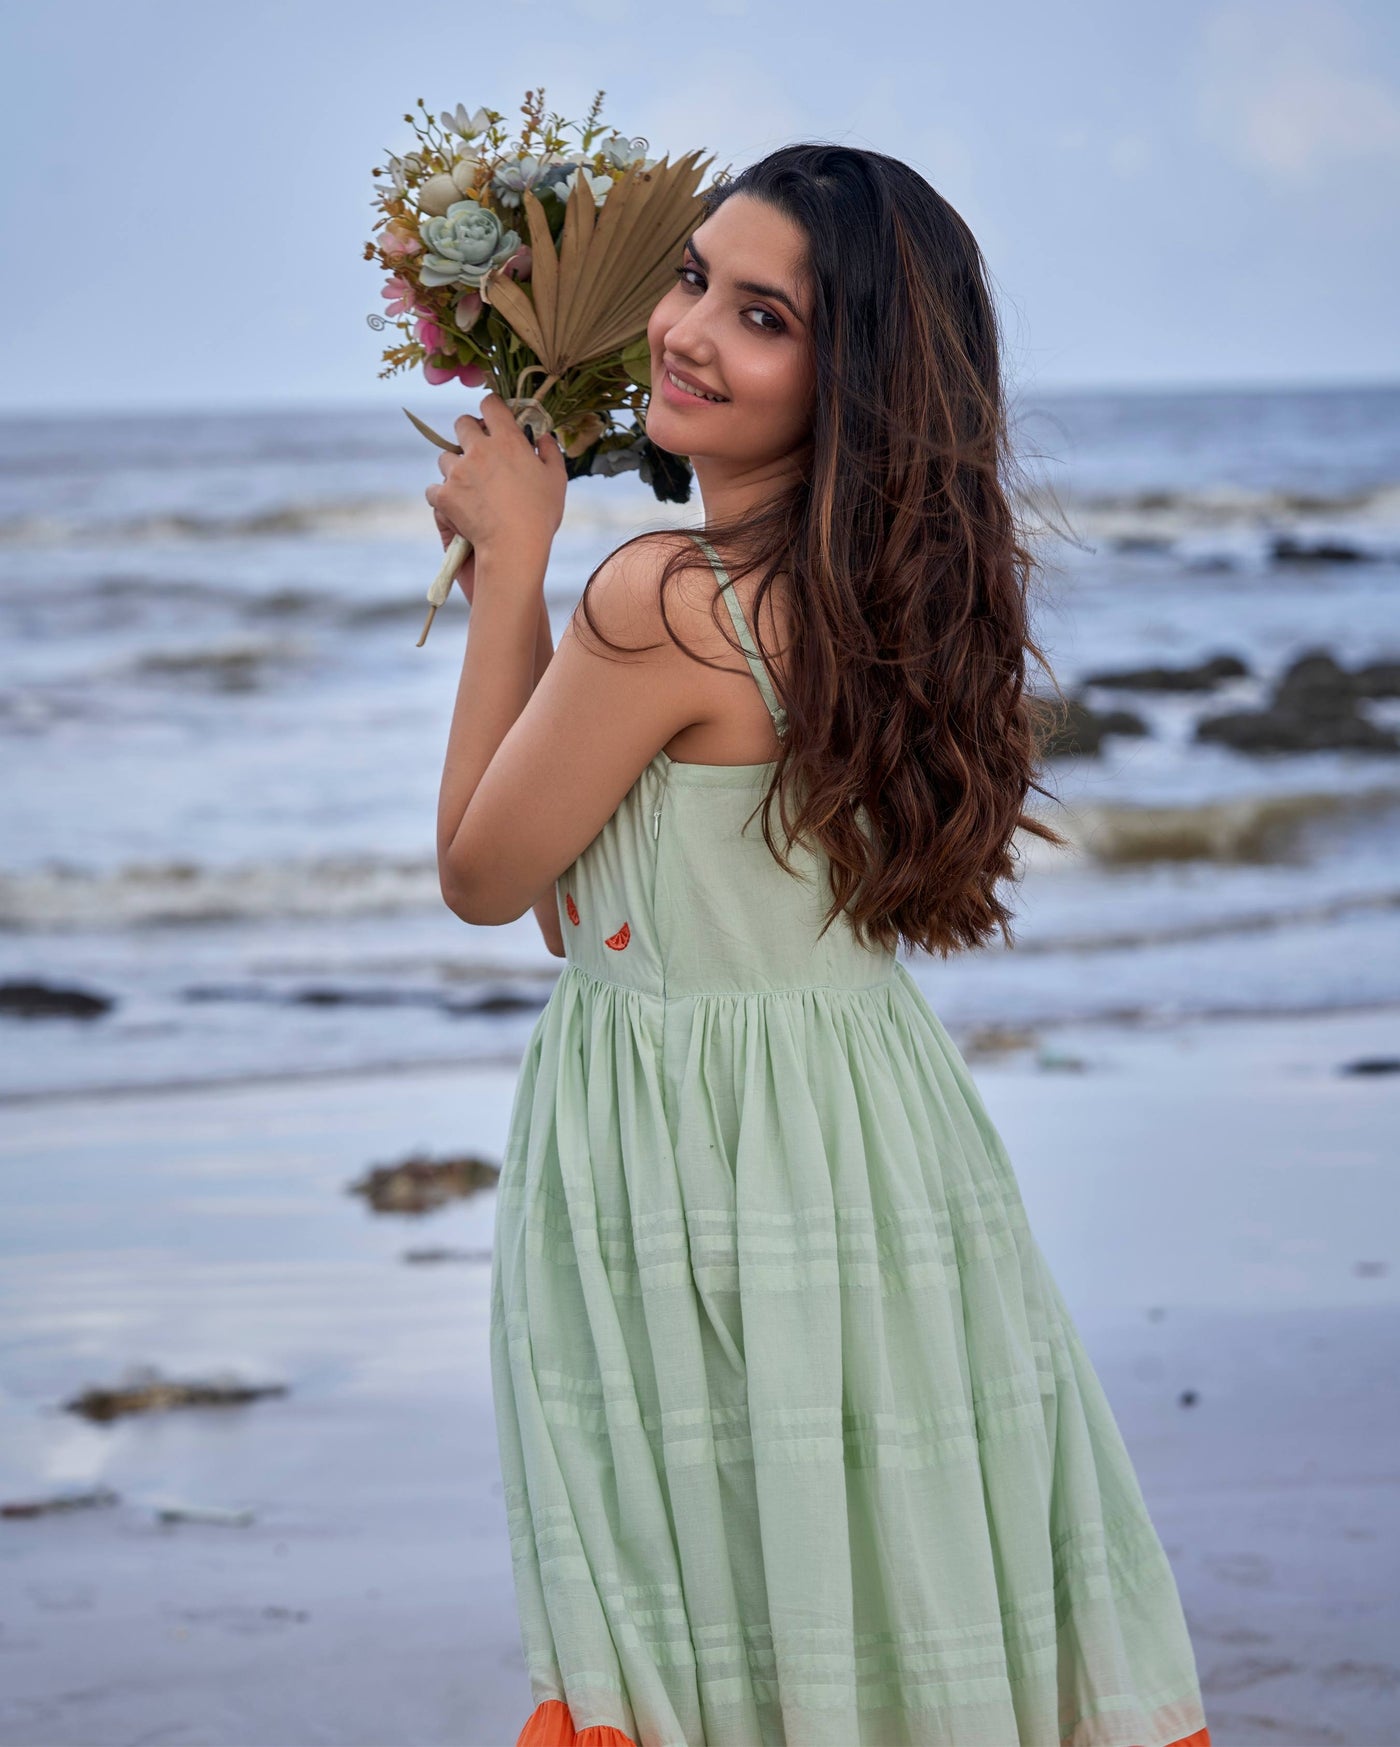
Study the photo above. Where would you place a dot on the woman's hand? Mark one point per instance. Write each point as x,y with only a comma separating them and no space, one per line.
500,491
466,575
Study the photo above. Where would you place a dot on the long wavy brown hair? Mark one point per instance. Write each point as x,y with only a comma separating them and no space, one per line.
913,737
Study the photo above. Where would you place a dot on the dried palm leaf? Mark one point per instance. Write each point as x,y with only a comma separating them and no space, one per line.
598,291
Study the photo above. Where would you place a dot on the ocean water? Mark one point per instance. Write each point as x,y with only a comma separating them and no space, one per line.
221,746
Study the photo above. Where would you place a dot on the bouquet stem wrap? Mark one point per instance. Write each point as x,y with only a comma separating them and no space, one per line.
534,419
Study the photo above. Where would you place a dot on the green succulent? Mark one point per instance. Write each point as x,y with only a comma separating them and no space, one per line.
463,245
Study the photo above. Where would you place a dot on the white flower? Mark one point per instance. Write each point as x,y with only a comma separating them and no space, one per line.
464,173
528,171
458,121
437,194
399,169
598,185
619,150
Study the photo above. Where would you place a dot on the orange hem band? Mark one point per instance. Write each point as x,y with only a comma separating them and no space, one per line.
551,1725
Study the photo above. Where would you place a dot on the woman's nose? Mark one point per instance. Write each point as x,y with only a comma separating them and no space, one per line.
689,337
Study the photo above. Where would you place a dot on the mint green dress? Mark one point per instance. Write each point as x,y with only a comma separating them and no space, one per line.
799,1443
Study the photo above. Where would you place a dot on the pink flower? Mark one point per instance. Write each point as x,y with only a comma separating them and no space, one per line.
398,241
400,295
469,375
468,308
428,334
520,263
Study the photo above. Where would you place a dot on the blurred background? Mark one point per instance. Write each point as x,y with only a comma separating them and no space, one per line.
229,989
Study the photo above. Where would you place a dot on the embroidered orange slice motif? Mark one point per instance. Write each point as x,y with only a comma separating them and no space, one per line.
571,907
619,940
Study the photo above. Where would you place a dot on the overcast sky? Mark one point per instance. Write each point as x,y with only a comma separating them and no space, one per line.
1203,192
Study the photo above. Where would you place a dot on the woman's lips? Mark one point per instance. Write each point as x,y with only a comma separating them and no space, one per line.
679,397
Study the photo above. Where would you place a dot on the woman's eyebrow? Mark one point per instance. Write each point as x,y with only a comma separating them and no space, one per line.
747,284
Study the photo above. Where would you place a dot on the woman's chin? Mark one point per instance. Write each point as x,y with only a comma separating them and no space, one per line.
666,430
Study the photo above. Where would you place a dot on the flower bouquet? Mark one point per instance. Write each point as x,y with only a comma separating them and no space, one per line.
533,270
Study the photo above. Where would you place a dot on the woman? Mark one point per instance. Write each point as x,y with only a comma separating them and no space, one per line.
799,1442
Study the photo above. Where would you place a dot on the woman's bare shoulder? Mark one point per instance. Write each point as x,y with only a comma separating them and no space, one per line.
625,595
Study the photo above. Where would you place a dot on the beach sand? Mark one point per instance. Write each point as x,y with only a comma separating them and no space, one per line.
1217,1201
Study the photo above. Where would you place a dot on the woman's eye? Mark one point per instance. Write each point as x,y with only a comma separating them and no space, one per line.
777,327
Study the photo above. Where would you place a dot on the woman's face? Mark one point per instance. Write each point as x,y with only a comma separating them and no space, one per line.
750,346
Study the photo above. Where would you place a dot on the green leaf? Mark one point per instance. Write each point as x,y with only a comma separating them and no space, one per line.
636,360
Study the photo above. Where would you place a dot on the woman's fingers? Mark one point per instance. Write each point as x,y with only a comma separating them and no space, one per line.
446,532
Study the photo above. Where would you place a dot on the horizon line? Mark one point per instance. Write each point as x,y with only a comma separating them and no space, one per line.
374,402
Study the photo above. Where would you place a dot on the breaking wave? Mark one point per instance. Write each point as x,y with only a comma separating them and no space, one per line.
1228,503
1236,923
384,517
389,516
1225,524
1249,828
145,894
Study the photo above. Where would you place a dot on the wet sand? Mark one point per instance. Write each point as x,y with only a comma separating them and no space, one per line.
1218,1203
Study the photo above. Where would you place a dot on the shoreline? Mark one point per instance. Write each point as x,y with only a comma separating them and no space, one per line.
1204,1192
979,1042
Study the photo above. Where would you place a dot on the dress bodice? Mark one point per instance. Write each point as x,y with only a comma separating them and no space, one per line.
679,893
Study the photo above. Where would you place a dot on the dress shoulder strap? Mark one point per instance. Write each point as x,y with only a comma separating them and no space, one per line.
741,626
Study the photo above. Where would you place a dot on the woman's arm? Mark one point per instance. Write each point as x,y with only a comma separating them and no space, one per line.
544,744
504,496
541,768
501,667
546,906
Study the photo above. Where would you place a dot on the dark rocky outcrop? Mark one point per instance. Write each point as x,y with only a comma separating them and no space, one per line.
63,1499
1153,543
1272,731
1316,685
1313,709
145,1390
30,1000
332,995
1288,549
419,1184
1081,731
1204,677
1378,679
